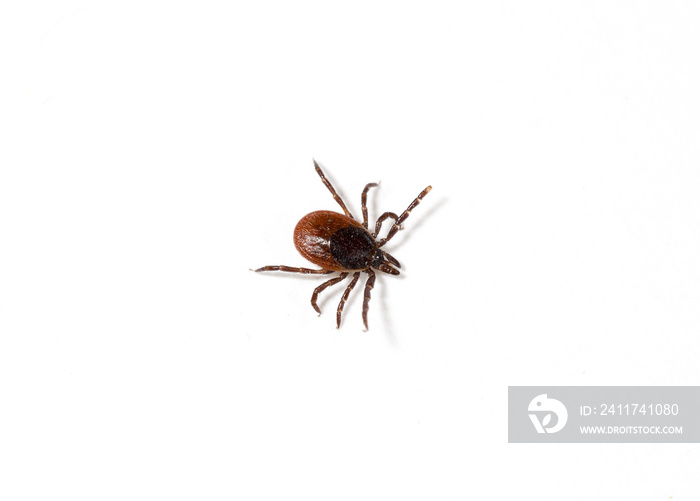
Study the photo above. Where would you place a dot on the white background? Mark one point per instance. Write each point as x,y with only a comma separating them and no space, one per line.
151,153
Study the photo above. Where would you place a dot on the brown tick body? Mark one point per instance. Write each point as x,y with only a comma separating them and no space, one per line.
339,243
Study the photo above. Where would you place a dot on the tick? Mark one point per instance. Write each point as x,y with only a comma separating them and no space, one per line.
340,243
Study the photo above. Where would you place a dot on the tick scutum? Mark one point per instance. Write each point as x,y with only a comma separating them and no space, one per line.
353,247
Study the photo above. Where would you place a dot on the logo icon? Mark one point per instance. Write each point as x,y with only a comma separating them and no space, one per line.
541,405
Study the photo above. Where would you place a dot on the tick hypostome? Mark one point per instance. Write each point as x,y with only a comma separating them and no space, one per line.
339,243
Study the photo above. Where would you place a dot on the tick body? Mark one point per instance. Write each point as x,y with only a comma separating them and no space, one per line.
336,242
339,243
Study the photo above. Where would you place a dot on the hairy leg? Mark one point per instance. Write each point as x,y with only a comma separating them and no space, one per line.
364,203
341,305
404,215
291,269
322,287
368,289
332,190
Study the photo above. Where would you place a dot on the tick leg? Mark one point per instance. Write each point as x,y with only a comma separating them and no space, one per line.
388,269
404,215
322,287
382,218
332,190
391,259
364,202
291,269
341,305
368,289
